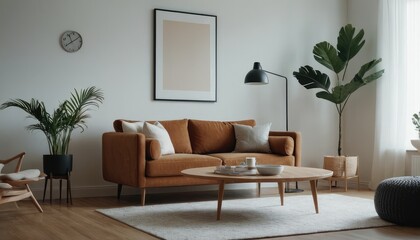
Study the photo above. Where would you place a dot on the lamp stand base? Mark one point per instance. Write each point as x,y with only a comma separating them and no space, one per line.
292,190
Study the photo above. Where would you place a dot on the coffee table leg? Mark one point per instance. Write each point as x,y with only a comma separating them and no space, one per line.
281,192
314,194
220,198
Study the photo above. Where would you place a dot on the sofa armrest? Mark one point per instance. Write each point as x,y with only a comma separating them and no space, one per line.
124,158
297,151
282,145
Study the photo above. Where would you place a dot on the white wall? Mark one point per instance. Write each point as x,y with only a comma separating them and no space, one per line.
359,126
117,56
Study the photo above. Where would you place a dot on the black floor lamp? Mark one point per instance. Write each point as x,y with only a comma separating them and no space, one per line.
258,76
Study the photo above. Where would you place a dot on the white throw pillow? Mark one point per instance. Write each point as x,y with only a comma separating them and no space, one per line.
25,174
159,132
5,186
252,139
132,127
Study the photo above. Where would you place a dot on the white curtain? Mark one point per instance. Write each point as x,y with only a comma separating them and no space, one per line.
413,64
390,133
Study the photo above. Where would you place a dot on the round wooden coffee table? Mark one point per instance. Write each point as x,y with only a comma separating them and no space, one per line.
289,174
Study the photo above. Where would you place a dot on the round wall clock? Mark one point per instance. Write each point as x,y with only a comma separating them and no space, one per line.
71,41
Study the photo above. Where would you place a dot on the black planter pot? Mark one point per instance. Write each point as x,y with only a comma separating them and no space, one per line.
58,165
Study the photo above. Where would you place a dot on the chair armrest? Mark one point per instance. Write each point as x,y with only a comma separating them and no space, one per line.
18,157
124,158
297,151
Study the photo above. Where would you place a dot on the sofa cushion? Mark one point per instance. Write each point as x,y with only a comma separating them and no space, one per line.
178,131
233,159
172,165
252,139
213,136
159,132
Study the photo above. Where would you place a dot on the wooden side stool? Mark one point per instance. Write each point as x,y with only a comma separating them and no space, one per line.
344,168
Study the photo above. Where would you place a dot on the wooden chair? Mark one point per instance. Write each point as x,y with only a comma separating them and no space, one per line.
15,186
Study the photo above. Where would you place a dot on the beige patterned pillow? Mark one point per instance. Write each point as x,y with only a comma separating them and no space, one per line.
132,127
252,139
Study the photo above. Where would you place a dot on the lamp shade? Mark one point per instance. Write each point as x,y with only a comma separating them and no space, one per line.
256,76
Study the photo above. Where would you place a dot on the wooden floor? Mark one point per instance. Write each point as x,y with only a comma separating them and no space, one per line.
81,221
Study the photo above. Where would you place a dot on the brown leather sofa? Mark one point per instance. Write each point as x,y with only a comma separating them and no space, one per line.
134,160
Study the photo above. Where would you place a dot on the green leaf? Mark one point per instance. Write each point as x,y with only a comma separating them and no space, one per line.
373,76
326,54
340,93
309,78
360,76
349,45
337,96
368,66
327,96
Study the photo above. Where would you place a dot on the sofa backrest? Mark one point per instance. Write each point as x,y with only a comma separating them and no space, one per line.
198,136
213,136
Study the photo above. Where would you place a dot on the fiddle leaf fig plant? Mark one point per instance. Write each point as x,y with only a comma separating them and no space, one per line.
59,125
349,43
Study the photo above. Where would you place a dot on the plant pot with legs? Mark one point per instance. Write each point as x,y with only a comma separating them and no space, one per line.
58,127
58,165
337,60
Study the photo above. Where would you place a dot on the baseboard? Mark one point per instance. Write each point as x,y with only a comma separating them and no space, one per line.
80,191
111,189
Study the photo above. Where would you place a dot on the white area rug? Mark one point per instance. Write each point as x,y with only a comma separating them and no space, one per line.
250,218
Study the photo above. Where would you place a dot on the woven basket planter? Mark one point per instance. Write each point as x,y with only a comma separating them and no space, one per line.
342,166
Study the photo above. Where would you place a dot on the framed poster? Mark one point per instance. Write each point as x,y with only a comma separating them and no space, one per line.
185,56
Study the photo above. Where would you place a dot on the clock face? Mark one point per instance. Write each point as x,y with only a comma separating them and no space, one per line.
71,41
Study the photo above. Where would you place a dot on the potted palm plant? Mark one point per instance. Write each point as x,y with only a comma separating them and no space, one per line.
337,60
58,126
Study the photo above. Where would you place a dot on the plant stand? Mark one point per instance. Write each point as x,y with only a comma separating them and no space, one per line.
344,169
58,167
61,177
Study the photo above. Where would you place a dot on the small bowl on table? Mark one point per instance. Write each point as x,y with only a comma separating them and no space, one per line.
269,170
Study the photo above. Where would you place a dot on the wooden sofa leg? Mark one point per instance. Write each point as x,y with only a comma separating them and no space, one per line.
143,196
119,191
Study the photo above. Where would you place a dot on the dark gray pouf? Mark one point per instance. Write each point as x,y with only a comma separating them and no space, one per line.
397,200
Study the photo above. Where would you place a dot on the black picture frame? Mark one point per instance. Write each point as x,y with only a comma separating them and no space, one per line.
185,56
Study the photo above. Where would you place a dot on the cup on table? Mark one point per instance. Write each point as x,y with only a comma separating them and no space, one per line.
250,162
